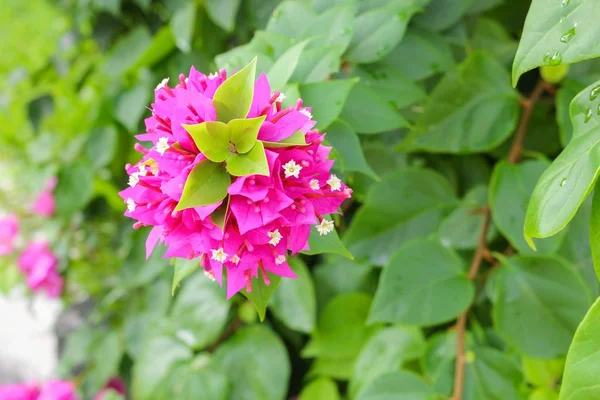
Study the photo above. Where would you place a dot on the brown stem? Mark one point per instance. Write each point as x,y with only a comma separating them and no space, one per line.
227,333
516,150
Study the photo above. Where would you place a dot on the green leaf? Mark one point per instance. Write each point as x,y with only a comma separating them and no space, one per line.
490,35
252,163
347,145
161,45
106,355
295,302
398,385
555,33
74,188
367,112
542,372
563,187
378,31
330,243
218,217
183,268
234,97
159,355
595,230
443,14
182,24
267,376
261,293
298,138
326,99
320,389
510,189
243,133
390,84
127,51
581,370
284,67
223,12
416,284
335,26
130,105
101,145
460,229
428,52
538,297
316,65
405,204
212,139
472,109
565,94
206,184
199,311
290,19
386,351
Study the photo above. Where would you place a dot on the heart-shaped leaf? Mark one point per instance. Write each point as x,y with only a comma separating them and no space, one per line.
219,216
252,163
206,184
234,97
211,138
243,133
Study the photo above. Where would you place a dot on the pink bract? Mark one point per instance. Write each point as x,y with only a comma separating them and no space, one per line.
21,391
44,205
113,385
58,390
40,266
268,217
9,229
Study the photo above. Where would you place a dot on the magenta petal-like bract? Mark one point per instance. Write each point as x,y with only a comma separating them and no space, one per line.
268,216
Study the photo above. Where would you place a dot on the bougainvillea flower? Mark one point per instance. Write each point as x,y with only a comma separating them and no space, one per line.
9,229
21,391
39,265
58,390
231,176
44,205
115,385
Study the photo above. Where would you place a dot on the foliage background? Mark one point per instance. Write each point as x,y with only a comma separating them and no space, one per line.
428,137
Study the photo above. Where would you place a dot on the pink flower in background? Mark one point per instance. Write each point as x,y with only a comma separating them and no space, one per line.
44,205
9,229
268,216
39,264
21,391
113,385
58,390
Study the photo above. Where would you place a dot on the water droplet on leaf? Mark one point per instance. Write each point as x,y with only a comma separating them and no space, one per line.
594,92
565,3
566,38
588,115
563,182
556,59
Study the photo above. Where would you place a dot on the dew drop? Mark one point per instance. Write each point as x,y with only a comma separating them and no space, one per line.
547,58
565,3
566,38
588,115
562,19
383,50
563,182
556,59
598,110
594,92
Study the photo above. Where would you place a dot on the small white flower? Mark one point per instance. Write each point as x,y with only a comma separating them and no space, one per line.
280,260
162,84
314,184
219,255
210,275
134,179
334,183
142,169
162,145
291,169
306,112
235,259
213,75
280,98
130,205
275,237
325,227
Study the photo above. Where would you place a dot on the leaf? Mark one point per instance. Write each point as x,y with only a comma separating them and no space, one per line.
535,297
266,377
252,163
297,138
261,293
460,229
330,243
234,97
199,312
563,187
326,99
243,133
443,14
161,45
127,51
386,351
290,18
564,95
183,268
106,355
472,109
402,206
367,112
347,145
580,377
542,372
219,216
284,67
320,389
390,84
428,52
335,26
398,385
416,284
182,24
510,190
317,64
378,31
595,230
555,33
101,145
211,138
223,12
294,303
490,35
74,188
130,105
159,355
206,184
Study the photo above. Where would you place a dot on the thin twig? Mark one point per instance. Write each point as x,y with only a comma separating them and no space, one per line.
516,150
227,333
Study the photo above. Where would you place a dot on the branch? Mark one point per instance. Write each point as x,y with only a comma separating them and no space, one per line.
516,150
